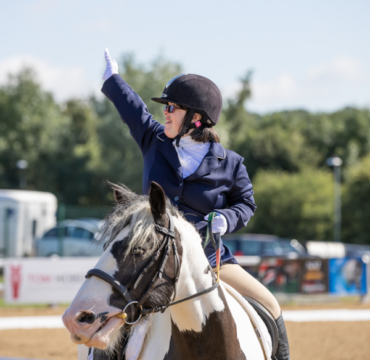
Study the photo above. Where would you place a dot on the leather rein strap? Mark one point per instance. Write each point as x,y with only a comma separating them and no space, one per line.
165,248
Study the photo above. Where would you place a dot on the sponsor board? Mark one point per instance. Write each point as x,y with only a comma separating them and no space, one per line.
44,280
347,276
308,276
279,275
314,276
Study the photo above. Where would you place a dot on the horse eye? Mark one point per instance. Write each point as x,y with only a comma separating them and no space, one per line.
138,251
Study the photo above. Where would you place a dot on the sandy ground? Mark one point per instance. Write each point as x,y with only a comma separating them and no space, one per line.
30,311
315,340
37,344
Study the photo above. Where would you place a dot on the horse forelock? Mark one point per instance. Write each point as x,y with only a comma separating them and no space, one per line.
138,216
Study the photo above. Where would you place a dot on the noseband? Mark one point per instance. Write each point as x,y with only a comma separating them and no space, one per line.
164,250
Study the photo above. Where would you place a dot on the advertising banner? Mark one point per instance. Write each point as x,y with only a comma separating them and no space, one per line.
308,276
280,275
44,280
347,276
314,278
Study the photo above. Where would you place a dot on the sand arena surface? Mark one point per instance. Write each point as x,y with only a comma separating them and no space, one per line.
314,340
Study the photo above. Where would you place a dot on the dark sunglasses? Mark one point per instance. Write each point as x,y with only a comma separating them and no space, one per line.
171,108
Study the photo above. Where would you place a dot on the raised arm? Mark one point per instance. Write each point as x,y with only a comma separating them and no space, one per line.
132,110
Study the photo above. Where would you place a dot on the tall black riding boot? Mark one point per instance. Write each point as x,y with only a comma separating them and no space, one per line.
282,352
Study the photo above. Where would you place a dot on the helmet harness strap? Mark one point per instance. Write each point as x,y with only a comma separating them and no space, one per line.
186,126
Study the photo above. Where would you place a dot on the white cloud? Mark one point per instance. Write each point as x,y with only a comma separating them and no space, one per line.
64,82
342,82
283,87
340,69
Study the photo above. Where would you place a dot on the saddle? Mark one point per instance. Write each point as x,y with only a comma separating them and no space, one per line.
269,321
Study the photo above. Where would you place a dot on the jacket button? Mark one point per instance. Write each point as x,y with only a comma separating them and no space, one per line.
180,184
176,198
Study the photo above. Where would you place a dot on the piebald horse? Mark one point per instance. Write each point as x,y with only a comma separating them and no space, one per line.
210,325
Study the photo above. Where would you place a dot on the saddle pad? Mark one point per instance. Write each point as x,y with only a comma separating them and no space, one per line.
257,322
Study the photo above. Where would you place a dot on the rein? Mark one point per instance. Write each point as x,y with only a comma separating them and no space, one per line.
164,249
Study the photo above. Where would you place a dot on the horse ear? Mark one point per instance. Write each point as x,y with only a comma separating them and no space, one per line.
157,200
121,194
118,196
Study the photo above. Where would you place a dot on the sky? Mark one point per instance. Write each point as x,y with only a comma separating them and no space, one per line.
312,55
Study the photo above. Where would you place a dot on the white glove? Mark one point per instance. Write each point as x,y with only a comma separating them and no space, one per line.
219,224
112,67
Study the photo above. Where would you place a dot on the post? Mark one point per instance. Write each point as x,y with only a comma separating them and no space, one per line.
337,204
6,250
336,163
22,166
61,216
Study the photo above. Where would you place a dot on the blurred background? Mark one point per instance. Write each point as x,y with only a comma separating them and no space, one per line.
295,80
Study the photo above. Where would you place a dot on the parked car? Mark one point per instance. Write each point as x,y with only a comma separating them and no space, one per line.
71,238
263,245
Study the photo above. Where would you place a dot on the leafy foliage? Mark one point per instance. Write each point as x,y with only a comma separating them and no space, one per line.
73,148
296,205
356,204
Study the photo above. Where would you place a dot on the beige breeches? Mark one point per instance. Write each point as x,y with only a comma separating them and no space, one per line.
235,276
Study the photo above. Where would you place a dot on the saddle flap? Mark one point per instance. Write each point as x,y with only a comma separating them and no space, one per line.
269,321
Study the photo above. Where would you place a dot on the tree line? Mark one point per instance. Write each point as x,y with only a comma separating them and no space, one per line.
74,147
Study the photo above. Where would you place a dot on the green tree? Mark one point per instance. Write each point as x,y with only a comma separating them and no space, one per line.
31,128
293,205
272,141
79,157
356,203
59,143
275,142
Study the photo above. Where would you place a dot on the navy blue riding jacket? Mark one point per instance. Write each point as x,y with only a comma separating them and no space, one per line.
220,184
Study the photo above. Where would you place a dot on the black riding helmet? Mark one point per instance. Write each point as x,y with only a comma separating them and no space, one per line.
196,94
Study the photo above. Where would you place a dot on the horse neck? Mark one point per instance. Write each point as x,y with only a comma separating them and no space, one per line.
192,314
203,325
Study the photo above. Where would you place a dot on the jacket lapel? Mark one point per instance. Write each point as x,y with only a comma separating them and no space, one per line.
210,162
169,152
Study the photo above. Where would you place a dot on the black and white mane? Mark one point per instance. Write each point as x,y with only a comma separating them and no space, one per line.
135,211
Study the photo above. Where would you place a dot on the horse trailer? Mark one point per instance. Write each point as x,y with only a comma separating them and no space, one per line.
24,216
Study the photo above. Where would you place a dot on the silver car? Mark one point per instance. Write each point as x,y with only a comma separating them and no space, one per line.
71,238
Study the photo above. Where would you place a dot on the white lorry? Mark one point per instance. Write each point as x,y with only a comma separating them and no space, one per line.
24,216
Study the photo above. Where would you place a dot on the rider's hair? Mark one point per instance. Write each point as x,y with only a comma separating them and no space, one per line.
204,134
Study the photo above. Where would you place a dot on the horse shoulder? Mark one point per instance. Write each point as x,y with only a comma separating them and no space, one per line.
246,333
158,338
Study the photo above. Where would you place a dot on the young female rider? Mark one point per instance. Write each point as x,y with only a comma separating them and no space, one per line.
198,175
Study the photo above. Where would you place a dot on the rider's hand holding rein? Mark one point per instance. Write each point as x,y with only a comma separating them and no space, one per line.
219,224
112,67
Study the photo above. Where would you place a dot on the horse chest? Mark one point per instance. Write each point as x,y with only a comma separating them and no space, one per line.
216,341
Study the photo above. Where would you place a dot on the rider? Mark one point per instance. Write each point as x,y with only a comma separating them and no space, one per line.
197,174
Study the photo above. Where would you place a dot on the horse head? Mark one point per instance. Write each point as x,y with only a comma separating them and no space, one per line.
134,251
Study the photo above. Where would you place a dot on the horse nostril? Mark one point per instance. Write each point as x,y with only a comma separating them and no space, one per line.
86,317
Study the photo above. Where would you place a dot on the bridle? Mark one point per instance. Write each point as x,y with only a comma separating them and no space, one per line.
164,249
